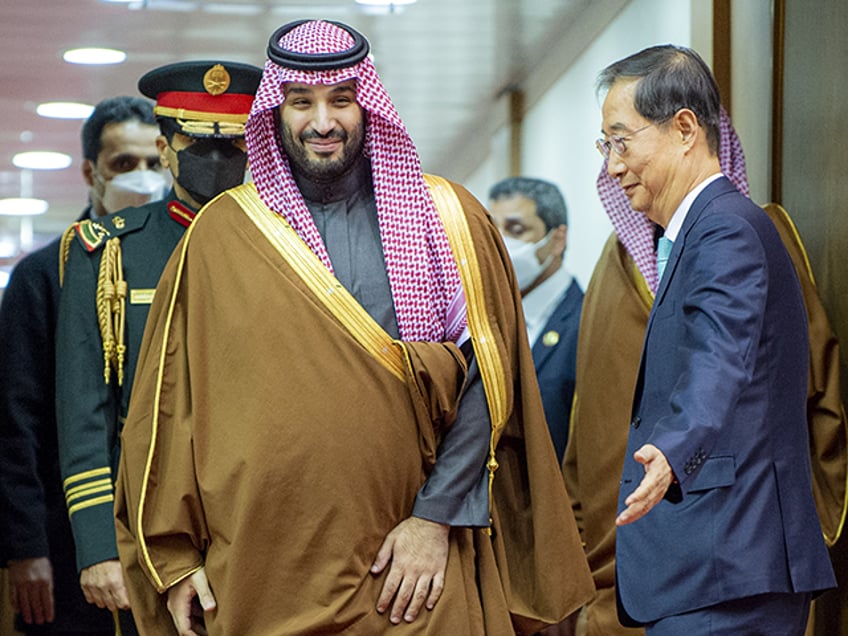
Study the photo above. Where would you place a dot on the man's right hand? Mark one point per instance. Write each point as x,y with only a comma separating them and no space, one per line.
32,589
187,615
103,585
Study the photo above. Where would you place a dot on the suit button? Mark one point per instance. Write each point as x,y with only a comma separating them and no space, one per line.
636,422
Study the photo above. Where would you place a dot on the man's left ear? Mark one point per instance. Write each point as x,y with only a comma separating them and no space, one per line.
687,125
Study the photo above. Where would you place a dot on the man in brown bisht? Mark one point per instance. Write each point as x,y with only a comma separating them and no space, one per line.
615,314
336,425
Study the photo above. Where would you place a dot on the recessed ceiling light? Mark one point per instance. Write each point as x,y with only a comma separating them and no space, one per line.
22,207
385,3
233,9
64,110
42,160
4,279
92,55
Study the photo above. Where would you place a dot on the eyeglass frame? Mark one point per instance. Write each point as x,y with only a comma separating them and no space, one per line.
617,142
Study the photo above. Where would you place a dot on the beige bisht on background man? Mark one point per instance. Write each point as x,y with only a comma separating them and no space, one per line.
303,444
615,314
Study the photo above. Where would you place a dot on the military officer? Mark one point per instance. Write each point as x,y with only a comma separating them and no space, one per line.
110,270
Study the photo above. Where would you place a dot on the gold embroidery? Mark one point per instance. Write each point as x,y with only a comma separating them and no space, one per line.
485,346
322,283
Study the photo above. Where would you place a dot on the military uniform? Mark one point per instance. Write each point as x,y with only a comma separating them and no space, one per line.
109,269
92,387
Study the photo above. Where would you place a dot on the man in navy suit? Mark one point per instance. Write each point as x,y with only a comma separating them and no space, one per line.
717,530
533,219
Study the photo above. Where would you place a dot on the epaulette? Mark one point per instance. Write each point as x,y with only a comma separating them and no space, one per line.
93,234
90,233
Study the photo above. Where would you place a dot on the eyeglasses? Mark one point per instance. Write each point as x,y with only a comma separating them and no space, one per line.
616,142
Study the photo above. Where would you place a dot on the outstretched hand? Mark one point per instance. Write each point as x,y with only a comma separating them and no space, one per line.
652,488
418,552
188,600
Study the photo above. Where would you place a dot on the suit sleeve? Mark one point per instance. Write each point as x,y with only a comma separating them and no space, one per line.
724,282
26,408
86,412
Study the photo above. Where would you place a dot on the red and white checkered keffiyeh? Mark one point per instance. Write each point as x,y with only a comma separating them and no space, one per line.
635,230
422,274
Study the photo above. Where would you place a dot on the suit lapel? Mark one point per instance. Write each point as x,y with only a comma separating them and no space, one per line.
561,316
716,188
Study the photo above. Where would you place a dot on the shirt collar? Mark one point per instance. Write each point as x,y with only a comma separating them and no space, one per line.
540,303
682,210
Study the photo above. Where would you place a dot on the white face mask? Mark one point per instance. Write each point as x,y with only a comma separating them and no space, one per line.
132,189
524,261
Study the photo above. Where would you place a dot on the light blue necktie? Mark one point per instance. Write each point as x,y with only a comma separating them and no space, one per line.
663,250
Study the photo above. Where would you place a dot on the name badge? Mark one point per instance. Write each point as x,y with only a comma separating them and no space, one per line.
141,296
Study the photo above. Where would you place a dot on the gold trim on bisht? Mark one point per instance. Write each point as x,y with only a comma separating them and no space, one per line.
320,281
485,346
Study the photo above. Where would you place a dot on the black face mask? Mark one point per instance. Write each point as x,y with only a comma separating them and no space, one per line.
210,166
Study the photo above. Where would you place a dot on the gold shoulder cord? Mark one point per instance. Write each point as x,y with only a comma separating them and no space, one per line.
110,299
64,250
320,281
111,308
485,347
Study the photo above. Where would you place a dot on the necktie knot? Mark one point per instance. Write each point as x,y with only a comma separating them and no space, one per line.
663,250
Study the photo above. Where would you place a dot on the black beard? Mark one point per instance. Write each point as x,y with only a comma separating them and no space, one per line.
321,170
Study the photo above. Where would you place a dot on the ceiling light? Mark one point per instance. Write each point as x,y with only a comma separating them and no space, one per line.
22,207
4,279
385,3
93,55
170,5
64,110
233,9
42,160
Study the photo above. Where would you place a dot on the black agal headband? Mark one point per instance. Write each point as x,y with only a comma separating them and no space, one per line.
317,61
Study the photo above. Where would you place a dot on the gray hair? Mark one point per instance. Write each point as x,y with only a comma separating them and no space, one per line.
670,78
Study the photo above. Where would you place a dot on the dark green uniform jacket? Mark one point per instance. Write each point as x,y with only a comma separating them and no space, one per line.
90,411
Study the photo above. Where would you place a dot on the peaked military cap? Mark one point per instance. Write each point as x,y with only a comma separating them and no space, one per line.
204,98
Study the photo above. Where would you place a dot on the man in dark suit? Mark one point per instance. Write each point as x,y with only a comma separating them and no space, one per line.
533,219
121,167
717,530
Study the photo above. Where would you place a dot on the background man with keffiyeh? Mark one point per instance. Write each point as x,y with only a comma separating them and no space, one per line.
349,437
616,309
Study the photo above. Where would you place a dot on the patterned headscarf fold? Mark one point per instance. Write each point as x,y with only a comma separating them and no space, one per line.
422,274
635,230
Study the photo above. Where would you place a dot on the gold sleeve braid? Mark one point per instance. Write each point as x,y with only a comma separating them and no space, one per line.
111,308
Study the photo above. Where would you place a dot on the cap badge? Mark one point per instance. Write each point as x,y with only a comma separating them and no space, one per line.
216,80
